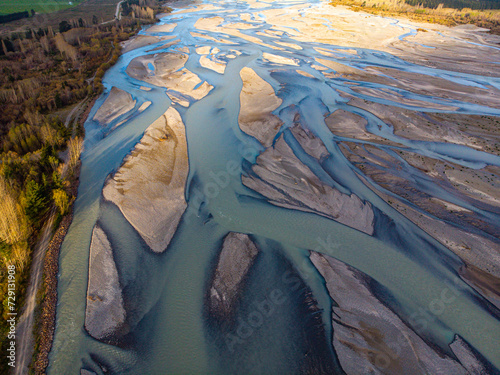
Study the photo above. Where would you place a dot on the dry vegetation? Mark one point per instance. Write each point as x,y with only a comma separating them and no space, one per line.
489,19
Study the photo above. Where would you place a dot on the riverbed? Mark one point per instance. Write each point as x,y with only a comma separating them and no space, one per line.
314,131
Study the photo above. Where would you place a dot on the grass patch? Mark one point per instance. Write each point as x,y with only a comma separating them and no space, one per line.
39,6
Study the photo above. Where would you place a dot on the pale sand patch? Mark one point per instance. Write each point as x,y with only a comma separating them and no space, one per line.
450,206
258,4
214,24
450,50
116,104
318,67
275,33
308,141
205,50
279,59
362,30
350,125
163,63
257,101
166,45
435,86
351,29
144,88
209,23
471,248
203,36
305,74
104,313
340,68
289,45
169,73
138,42
418,83
474,188
144,106
198,8
218,67
323,51
166,28
236,258
344,51
178,99
394,96
149,186
241,26
485,283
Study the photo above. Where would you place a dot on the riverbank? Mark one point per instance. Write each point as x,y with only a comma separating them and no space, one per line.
46,318
489,19
46,325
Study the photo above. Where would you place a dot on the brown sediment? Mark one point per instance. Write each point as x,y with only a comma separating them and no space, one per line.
473,186
236,258
475,131
369,335
472,248
488,285
257,101
285,181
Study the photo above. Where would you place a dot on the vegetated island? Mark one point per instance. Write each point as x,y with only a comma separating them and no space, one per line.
51,77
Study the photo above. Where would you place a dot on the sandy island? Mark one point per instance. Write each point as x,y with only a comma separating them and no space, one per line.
149,186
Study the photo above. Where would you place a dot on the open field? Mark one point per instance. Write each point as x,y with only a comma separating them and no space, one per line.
103,9
39,6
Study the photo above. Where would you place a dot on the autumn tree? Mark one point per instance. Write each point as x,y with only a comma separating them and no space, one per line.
61,200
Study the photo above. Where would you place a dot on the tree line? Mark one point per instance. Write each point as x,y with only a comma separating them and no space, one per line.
15,16
457,4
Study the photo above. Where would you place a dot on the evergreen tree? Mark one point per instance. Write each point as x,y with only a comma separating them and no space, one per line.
36,203
64,26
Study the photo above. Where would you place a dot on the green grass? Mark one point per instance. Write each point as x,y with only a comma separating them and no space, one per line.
86,9
39,6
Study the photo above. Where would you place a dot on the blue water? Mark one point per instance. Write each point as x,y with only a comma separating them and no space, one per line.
170,332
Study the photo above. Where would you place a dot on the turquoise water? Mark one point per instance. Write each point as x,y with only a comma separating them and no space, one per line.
165,292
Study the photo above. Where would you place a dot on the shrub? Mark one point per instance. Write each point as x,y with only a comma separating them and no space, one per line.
61,200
